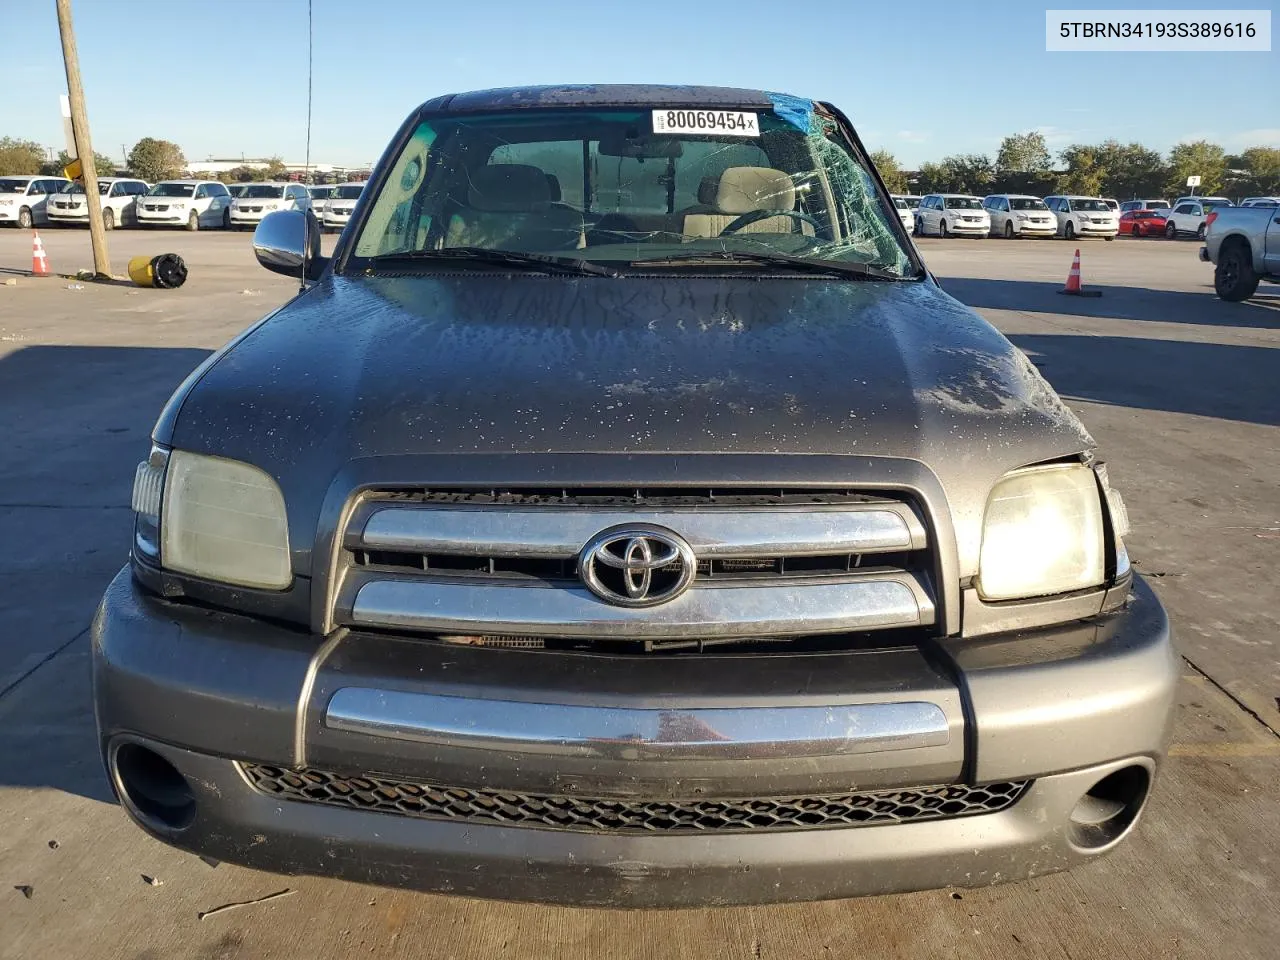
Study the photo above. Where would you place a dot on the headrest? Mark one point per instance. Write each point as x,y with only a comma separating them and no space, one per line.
707,189
554,194
509,186
744,189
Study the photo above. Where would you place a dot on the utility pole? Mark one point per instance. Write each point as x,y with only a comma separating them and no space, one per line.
84,146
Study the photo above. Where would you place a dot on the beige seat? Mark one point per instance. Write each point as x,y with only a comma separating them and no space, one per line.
745,190
509,206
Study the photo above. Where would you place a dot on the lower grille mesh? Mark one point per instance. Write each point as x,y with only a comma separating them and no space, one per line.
600,815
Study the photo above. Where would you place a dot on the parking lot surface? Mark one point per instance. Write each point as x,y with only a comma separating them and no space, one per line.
1179,389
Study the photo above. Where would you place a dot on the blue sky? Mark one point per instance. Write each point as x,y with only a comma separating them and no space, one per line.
922,79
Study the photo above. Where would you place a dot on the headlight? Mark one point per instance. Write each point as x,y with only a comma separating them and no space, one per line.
212,518
1021,216
1042,534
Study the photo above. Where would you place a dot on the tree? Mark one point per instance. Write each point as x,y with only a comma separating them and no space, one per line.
156,160
275,169
1199,158
1262,170
1085,171
932,178
20,156
102,165
890,172
1024,153
1131,171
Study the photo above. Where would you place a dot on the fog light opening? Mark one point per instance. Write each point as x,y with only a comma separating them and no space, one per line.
1110,807
154,788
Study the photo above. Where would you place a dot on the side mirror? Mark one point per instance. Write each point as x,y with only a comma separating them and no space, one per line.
281,238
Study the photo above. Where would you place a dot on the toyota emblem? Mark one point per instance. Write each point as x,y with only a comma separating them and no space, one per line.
637,565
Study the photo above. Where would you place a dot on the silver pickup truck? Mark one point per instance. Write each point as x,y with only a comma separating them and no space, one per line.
1244,245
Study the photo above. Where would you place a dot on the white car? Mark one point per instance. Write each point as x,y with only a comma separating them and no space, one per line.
1129,205
947,214
1084,217
1018,215
193,204
237,189
340,205
1113,204
259,199
23,199
319,197
904,213
1189,218
1260,202
119,196
911,200
1219,201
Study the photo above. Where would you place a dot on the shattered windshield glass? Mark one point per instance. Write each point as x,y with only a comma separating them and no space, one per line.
626,187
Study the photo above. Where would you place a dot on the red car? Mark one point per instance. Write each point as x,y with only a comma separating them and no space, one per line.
1142,223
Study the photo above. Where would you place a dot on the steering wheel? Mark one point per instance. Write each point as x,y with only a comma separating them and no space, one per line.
757,215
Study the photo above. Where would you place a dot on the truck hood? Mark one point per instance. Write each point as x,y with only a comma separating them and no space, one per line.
478,363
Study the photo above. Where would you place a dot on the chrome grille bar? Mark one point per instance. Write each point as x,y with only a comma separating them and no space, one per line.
723,610
632,733
560,533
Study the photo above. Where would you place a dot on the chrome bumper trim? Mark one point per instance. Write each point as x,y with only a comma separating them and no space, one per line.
637,733
744,609
553,532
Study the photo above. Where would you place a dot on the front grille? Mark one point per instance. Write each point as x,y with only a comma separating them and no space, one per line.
767,562
611,815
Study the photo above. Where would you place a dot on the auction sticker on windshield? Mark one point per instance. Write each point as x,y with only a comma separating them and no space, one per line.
726,123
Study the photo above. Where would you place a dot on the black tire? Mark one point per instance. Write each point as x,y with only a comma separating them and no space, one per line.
25,220
1008,230
1234,278
1069,231
942,229
919,231
226,218
1108,239
108,219
1200,233
1170,232
193,221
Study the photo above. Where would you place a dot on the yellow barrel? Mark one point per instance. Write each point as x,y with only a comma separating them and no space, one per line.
141,273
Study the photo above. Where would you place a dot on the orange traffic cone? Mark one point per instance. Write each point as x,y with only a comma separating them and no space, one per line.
39,262
1073,287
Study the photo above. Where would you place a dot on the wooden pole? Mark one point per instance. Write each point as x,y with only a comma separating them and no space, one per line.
84,146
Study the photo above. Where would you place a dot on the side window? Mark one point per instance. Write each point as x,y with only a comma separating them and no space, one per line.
1183,208
117,190
202,191
217,190
1003,205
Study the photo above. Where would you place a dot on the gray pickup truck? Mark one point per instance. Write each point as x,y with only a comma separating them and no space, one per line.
1243,243
623,515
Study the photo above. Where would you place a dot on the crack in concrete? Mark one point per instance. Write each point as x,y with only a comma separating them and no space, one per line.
14,684
1233,698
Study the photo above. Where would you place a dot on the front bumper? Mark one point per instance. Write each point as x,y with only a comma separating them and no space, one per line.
1062,707
977,229
9,214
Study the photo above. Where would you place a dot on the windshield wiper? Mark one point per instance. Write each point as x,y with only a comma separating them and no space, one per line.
843,268
540,262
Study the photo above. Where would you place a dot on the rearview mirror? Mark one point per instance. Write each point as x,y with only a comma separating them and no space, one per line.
640,148
281,238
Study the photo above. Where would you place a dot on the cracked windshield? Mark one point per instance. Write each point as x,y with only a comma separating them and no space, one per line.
637,188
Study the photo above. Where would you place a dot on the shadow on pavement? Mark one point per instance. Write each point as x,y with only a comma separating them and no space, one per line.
1229,382
1120,303
78,420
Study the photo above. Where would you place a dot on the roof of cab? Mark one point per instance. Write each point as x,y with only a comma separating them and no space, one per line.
598,95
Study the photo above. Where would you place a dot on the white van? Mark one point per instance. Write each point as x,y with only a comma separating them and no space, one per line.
23,199
259,199
185,203
1084,217
118,195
